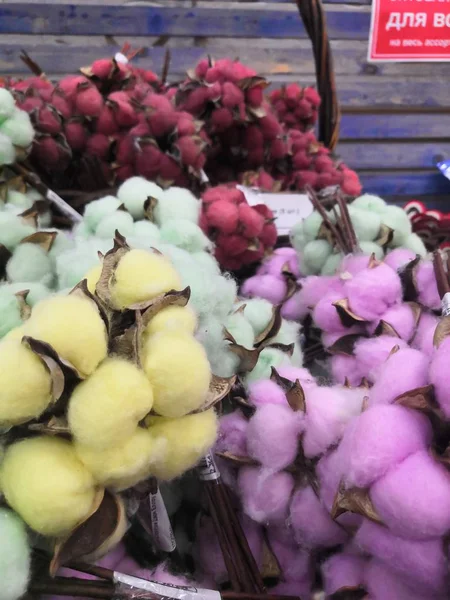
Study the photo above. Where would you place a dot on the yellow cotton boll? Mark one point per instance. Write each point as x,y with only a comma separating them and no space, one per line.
178,369
92,276
15,334
74,327
173,318
25,382
44,481
122,465
186,440
105,409
142,275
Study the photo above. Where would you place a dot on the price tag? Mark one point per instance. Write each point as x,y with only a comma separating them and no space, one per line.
288,209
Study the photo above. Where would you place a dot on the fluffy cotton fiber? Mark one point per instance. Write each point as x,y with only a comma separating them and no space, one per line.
14,556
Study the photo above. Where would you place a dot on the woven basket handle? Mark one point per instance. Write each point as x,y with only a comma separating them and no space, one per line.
314,20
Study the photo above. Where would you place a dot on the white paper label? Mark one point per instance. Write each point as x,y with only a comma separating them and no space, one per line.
121,58
161,527
65,208
166,590
445,305
207,468
288,209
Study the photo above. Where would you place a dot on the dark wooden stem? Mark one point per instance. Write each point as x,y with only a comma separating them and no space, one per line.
326,219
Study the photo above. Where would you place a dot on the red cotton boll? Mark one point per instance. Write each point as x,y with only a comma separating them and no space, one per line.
312,95
147,161
214,92
251,222
303,109
254,96
125,114
303,178
125,149
37,84
253,137
202,68
265,495
98,145
251,256
278,149
169,169
52,153
189,150
255,157
69,85
223,215
323,163
125,172
88,101
162,122
141,130
157,102
276,95
325,180
106,123
31,103
301,160
232,245
229,263
102,68
195,102
264,211
231,95
185,124
213,74
221,119
268,236
48,120
270,127
62,105
76,134
351,184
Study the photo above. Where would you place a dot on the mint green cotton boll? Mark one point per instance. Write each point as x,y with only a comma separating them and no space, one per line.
97,210
372,248
184,234
134,192
34,195
206,261
120,221
397,219
414,243
18,128
73,264
258,313
290,334
14,556
13,230
225,293
12,209
311,226
30,262
45,219
146,230
7,104
7,151
315,254
268,358
10,311
82,231
177,203
365,223
332,263
61,243
297,236
19,199
241,330
36,291
224,363
370,202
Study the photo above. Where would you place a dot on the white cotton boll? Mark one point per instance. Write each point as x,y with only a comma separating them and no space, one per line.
96,211
7,104
177,203
19,200
134,192
18,128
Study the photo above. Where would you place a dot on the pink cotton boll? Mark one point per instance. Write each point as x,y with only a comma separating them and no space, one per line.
228,472
401,318
315,287
370,353
265,495
272,435
384,584
292,309
265,391
327,413
342,570
382,438
372,291
270,287
422,562
325,315
233,434
304,377
298,589
207,551
295,563
440,376
398,258
311,522
330,471
404,370
423,340
329,338
413,499
353,264
345,368
427,286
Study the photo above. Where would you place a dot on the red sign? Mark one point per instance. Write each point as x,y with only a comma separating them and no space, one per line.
410,30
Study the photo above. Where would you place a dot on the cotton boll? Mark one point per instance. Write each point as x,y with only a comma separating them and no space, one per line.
140,276
382,438
173,318
398,258
397,219
371,353
401,318
325,315
185,234
146,231
293,373
327,413
310,227
7,152
266,391
332,264
292,308
120,221
36,291
315,254
10,310
207,262
313,289
366,224
343,570
270,287
73,327
405,370
268,358
370,203
72,265
14,556
311,523
177,203
265,495
224,295
224,363
186,440
272,435
61,243
413,499
332,466
30,263
384,584
421,562
240,329
370,248
18,199
26,383
295,563
7,104
353,264
12,230
233,434
121,465
345,368
45,483
105,409
99,209
288,333
371,292
414,243
19,129
258,313
331,337
178,369
427,286
134,192
423,339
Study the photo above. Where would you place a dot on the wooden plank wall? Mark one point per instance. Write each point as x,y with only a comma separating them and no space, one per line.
396,117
